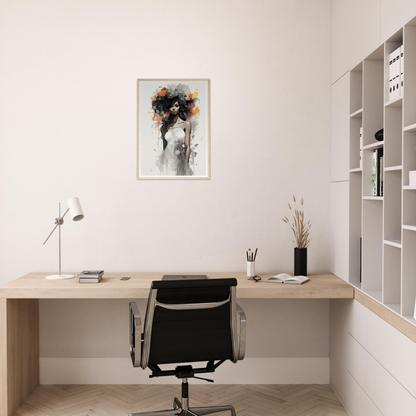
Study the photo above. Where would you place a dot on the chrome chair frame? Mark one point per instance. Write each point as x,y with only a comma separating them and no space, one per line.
140,350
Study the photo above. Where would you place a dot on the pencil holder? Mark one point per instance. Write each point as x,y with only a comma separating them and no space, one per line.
251,269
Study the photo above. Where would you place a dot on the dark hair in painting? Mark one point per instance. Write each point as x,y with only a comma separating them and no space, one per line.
164,100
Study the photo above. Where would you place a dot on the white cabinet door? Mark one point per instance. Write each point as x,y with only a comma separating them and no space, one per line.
364,29
340,119
340,38
394,15
339,229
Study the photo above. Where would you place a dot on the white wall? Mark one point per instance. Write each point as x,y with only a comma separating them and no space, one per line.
68,74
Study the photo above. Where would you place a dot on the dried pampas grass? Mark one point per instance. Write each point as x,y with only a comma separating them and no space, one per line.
299,227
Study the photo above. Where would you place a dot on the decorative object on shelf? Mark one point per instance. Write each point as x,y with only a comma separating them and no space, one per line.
173,129
379,135
74,208
302,240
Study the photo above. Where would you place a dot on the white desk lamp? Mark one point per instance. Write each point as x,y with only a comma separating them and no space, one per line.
74,208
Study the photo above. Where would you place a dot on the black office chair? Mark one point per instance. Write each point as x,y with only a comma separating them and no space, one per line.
188,321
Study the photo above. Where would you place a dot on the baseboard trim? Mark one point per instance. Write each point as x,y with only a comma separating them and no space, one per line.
248,371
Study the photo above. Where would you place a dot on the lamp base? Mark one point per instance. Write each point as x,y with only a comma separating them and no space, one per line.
60,276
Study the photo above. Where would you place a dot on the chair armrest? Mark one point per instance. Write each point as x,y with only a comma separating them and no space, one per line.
135,335
241,331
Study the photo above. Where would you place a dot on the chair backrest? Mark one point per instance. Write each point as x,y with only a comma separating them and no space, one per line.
190,321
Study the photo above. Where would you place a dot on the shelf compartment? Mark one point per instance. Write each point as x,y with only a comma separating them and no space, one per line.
389,47
409,155
367,154
355,125
372,246
392,275
393,131
355,215
409,109
356,87
409,208
392,205
409,273
373,104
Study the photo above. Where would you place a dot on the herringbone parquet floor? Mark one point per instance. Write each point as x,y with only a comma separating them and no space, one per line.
120,400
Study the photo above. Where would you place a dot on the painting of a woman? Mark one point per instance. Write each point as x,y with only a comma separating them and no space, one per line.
177,135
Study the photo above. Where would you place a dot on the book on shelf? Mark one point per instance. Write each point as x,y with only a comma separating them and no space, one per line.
401,69
286,278
394,74
377,174
381,170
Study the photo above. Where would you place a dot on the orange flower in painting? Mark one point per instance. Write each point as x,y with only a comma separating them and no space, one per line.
152,98
163,92
196,112
194,95
159,118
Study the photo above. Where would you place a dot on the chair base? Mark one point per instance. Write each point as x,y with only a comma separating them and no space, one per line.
179,410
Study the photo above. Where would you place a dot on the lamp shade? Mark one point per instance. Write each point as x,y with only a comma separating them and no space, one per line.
75,209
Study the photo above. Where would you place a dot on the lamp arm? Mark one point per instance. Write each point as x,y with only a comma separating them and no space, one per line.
58,221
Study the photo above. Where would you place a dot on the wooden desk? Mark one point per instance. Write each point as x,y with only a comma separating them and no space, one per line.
19,315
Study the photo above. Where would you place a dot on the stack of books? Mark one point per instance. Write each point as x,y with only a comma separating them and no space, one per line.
412,178
378,168
91,276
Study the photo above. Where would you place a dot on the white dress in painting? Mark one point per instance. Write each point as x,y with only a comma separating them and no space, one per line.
172,161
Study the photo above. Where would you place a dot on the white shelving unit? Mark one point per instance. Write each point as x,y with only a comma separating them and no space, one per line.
384,227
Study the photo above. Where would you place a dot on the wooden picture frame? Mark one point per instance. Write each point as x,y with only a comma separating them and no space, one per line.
173,129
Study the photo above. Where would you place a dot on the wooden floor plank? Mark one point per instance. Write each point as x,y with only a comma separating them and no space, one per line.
121,400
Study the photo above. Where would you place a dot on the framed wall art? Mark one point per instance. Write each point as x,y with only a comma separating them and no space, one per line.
173,135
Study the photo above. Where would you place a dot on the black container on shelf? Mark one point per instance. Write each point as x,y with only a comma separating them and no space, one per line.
301,261
379,135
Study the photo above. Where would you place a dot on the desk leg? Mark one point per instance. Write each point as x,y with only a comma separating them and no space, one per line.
19,352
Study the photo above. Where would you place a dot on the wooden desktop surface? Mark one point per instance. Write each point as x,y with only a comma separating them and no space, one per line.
19,315
35,286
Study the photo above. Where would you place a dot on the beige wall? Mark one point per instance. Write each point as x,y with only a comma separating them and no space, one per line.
99,328
68,128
